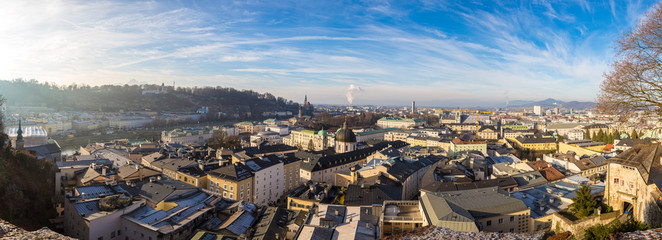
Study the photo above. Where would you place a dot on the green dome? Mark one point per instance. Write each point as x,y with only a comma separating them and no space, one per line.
322,132
624,136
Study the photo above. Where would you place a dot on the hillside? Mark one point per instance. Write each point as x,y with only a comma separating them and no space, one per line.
26,190
112,98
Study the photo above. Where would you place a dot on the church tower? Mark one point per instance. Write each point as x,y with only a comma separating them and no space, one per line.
19,137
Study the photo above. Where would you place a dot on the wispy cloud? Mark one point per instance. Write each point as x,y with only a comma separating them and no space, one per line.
437,51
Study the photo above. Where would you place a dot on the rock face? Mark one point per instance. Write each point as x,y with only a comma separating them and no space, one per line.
9,231
432,232
641,235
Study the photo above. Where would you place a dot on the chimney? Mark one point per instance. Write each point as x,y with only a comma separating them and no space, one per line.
103,170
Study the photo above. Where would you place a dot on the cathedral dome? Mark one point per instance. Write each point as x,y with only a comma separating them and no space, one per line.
345,134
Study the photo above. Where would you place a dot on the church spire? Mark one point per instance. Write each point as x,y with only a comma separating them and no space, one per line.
19,136
19,133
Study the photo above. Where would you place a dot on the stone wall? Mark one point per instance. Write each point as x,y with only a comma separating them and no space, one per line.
9,231
559,222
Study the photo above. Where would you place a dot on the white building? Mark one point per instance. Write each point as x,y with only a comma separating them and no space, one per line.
32,136
129,122
271,137
197,135
83,218
396,122
268,180
280,129
537,110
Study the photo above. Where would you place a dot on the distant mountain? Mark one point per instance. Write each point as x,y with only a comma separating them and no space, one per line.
550,102
136,82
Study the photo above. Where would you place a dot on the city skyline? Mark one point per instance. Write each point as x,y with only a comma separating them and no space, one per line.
378,53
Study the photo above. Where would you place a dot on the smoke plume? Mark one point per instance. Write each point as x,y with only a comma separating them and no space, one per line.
351,93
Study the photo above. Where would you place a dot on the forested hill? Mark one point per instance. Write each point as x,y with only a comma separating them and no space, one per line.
131,98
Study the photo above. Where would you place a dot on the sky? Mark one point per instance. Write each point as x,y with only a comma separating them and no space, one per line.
437,53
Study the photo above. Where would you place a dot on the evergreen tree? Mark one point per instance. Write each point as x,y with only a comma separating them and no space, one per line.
600,137
583,203
634,134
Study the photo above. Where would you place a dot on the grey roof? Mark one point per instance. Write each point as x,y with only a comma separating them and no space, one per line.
50,148
444,213
173,163
321,163
529,179
95,191
598,160
233,172
644,157
355,195
536,140
239,222
83,163
485,202
272,221
628,142
504,182
158,191
86,208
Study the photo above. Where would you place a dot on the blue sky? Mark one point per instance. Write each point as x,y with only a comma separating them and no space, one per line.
439,53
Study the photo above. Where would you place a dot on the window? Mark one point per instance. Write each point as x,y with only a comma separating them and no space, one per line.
231,196
512,230
119,232
615,180
489,223
100,238
112,234
225,194
225,186
512,218
500,220
241,187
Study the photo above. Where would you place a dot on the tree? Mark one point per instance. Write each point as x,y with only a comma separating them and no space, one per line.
311,146
221,139
583,203
559,138
600,137
233,141
3,136
634,82
634,134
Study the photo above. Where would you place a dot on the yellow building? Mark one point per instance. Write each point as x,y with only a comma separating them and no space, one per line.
294,203
194,175
250,127
488,132
587,144
536,144
565,147
417,141
309,140
234,181
291,167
